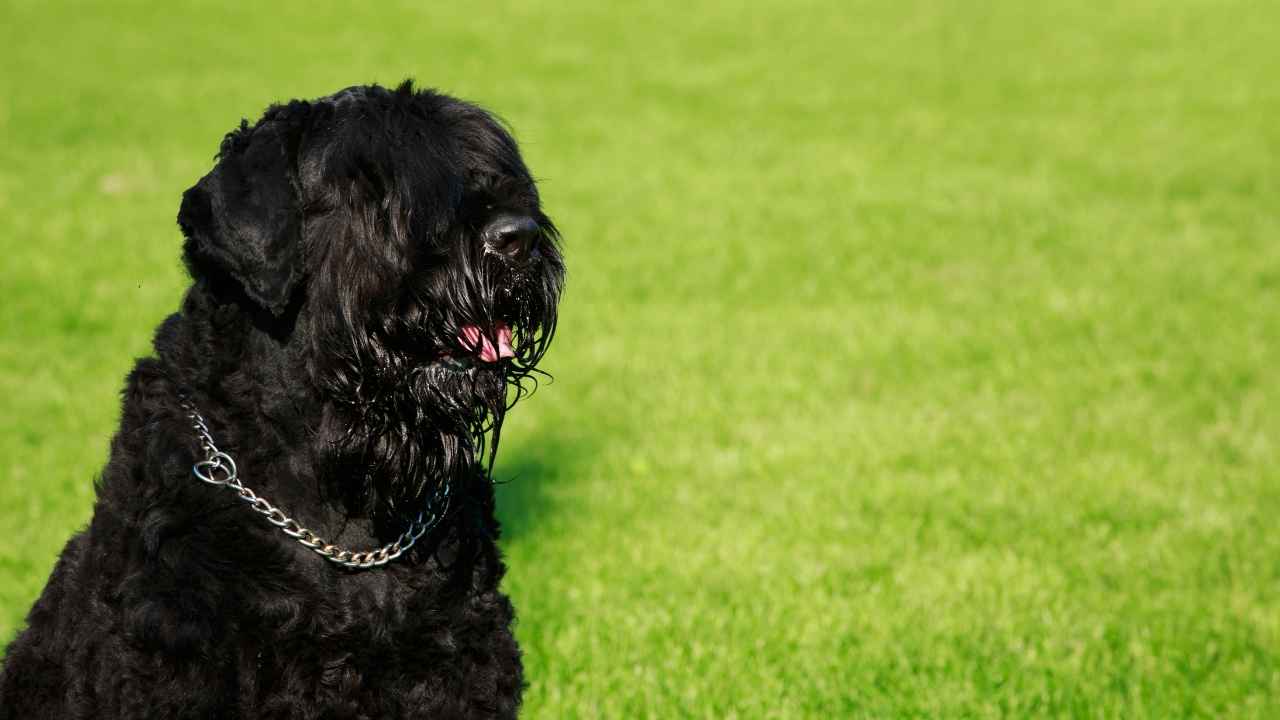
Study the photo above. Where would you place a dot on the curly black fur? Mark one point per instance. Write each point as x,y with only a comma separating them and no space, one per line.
337,255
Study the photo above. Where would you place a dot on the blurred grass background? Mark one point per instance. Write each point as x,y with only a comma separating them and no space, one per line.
918,358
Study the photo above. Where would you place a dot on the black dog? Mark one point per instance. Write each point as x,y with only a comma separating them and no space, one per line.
374,283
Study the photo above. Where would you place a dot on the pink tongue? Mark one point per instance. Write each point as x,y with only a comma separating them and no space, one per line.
476,340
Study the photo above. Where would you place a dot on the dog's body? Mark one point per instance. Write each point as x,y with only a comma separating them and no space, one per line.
372,273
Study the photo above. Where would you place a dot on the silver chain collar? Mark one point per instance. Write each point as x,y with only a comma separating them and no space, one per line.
217,463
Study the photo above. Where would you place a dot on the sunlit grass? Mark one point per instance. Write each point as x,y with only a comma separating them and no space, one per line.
918,359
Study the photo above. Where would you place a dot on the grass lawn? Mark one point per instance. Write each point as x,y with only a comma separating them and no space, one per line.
918,359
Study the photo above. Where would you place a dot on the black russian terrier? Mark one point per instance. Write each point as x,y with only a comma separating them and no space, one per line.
297,518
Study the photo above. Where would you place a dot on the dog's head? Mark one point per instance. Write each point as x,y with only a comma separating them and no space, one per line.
394,243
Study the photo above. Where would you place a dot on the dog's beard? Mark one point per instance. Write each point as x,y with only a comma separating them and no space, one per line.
412,410
408,433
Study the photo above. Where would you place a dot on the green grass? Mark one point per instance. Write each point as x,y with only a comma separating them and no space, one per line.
918,359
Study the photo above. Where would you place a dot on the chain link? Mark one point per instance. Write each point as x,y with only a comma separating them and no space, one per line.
220,470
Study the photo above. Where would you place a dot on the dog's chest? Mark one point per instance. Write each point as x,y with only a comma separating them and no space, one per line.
378,638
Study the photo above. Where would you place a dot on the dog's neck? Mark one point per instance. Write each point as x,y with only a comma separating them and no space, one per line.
250,368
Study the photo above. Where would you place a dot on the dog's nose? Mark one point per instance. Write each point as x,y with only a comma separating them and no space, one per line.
512,236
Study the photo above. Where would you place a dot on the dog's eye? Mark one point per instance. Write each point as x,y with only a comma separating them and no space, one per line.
478,206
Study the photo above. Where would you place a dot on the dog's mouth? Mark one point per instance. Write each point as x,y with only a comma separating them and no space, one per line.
488,347
480,349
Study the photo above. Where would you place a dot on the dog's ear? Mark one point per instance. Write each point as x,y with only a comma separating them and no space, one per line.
244,217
